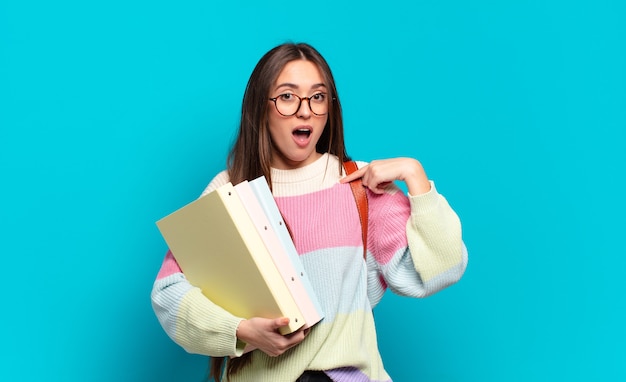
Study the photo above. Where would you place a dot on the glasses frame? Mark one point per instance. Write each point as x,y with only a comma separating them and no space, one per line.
308,99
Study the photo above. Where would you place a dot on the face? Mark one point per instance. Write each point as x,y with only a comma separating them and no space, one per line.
294,137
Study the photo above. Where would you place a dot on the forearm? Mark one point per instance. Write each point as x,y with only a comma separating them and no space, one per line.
435,240
193,321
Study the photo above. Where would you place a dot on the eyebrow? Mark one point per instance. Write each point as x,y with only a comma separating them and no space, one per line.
290,85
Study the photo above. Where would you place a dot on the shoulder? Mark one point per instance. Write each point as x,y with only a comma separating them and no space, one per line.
219,180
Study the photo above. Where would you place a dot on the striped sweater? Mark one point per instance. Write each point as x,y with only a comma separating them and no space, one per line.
414,249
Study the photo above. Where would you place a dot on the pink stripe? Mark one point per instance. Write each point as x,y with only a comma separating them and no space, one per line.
323,219
169,266
329,218
389,214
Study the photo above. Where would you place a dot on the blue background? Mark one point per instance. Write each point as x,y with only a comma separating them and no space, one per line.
114,113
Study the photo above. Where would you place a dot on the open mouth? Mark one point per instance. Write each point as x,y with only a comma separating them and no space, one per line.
302,133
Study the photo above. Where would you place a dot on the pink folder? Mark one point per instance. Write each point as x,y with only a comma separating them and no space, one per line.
284,263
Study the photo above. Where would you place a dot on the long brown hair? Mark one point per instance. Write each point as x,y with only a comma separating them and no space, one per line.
251,153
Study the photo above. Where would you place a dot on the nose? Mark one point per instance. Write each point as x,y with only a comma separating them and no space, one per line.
304,111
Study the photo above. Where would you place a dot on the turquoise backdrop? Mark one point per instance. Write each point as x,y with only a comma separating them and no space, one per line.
114,113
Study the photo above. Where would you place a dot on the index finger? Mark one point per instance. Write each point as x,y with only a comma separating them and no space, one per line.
355,175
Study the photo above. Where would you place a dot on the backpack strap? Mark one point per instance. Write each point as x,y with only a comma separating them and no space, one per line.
360,196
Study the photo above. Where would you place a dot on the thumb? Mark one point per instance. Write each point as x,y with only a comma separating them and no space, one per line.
279,322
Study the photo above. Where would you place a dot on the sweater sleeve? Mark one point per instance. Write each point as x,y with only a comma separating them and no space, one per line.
417,247
188,317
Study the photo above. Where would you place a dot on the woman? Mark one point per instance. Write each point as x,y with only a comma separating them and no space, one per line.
291,131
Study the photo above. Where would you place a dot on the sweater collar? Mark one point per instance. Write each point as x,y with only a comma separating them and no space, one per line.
316,169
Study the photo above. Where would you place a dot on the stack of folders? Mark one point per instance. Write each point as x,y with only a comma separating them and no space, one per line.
233,244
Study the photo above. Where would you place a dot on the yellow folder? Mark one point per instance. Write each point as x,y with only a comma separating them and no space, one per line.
220,251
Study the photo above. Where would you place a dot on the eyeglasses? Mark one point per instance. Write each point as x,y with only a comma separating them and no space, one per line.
288,104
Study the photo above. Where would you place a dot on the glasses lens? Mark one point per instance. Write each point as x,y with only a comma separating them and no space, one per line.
287,104
319,103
